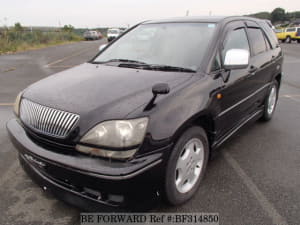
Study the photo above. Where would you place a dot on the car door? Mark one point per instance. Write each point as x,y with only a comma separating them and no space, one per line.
235,103
260,64
291,32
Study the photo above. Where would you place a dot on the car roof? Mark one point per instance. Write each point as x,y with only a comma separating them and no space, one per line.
203,19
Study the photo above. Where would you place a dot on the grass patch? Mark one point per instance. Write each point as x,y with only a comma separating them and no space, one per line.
13,41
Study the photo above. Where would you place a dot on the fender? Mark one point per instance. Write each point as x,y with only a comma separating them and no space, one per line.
179,109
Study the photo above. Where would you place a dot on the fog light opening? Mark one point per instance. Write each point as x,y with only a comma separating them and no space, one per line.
115,198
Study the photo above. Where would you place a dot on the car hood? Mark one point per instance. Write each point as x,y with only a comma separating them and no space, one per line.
100,92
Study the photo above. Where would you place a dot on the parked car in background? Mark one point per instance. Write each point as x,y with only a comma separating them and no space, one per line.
144,115
288,34
92,35
100,35
122,30
112,33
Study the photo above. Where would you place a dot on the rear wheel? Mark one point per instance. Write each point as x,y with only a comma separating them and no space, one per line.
288,39
186,166
270,102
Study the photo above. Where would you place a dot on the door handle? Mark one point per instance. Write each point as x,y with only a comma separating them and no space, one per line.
252,70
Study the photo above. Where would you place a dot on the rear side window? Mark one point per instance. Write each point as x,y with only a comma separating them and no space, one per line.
290,29
257,40
236,39
271,34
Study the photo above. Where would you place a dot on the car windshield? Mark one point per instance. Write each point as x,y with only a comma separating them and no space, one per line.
170,44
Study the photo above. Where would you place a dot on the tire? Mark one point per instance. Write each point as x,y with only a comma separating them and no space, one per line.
194,161
298,41
270,102
288,39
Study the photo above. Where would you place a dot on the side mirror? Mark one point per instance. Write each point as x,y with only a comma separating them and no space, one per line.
101,47
236,59
160,89
157,89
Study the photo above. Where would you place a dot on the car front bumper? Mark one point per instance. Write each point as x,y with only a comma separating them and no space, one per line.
90,183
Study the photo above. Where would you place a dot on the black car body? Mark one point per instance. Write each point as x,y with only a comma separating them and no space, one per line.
215,98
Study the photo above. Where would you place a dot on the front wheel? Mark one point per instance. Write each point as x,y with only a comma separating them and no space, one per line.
270,102
186,166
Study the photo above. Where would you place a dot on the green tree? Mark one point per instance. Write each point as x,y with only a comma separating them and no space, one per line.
68,28
18,27
277,15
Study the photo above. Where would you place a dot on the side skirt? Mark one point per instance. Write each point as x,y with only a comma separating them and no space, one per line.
252,117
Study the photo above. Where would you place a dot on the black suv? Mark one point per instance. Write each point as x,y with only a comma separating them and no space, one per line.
148,110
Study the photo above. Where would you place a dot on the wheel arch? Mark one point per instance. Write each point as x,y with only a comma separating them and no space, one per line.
204,120
278,79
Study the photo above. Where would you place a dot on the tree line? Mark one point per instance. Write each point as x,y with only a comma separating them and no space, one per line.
278,15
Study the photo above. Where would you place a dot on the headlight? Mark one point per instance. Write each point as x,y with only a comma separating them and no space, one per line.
17,104
115,134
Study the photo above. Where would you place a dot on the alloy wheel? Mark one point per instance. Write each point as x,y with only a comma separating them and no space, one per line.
189,165
272,100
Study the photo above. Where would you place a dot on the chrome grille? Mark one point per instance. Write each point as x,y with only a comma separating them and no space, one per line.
47,120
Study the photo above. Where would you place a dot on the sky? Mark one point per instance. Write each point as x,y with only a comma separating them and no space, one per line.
123,13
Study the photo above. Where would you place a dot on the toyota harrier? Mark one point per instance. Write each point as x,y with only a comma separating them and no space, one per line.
144,115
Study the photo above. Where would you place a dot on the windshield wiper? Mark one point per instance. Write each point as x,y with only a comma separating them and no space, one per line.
171,68
119,60
142,65
156,67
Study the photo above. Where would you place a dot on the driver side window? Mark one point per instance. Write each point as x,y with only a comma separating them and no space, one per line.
235,39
